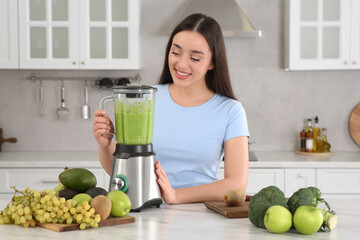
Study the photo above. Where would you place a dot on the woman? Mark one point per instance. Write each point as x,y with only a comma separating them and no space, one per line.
197,119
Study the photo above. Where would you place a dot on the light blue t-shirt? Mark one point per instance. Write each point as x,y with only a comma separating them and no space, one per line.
189,141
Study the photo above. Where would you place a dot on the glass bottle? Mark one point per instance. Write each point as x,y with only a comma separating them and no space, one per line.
302,141
319,143
309,142
316,129
327,145
309,125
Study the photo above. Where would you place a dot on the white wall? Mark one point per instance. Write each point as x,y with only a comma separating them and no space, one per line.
276,102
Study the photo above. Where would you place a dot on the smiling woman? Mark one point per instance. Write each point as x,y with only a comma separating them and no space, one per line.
197,119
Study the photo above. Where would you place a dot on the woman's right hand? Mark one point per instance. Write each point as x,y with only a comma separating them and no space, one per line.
102,124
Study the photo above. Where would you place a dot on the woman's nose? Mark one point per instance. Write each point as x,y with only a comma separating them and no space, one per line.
183,62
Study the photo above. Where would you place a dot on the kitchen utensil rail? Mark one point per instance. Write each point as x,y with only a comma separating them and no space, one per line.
33,77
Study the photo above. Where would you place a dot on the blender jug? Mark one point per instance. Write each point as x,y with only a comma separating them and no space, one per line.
133,170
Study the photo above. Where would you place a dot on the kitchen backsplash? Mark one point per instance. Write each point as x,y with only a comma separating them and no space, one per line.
274,99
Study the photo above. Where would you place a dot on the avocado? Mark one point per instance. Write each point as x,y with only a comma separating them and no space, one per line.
68,193
79,179
96,191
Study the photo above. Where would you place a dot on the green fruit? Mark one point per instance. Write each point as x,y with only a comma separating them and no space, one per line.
82,197
59,187
79,179
278,219
308,220
120,203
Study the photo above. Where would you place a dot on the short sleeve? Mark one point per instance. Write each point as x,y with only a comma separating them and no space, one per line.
236,123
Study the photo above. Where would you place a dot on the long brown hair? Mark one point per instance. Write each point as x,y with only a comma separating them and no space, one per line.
217,79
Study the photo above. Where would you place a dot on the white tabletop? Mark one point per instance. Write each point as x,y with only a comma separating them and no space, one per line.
191,221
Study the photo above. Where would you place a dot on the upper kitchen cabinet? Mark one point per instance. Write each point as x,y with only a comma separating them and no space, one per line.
322,34
82,34
8,39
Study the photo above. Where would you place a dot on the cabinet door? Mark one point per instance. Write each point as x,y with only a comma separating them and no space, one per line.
355,35
48,34
339,181
260,178
298,178
9,34
318,34
109,34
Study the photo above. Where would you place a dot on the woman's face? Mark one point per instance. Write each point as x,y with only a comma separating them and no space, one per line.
189,59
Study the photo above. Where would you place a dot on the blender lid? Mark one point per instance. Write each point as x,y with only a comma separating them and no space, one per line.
134,88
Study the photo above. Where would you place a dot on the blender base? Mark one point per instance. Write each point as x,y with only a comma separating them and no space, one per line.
151,203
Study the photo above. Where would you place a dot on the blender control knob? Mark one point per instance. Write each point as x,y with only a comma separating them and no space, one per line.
121,182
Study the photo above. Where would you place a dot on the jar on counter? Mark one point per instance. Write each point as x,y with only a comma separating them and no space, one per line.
309,141
302,141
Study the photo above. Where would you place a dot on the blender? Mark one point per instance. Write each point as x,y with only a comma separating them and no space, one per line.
133,170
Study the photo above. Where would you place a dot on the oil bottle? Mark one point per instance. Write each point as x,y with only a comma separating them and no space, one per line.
327,145
316,129
319,143
309,125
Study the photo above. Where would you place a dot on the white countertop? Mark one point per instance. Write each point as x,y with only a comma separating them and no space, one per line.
90,160
191,221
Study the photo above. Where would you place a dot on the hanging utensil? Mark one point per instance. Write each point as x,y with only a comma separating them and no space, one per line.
85,109
62,112
41,109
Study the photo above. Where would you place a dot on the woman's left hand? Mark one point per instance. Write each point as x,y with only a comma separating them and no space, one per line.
168,193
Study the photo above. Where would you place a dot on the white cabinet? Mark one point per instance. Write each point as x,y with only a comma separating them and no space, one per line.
322,34
332,182
82,34
260,178
297,178
339,181
9,34
40,178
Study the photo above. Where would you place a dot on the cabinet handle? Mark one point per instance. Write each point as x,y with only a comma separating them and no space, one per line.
74,63
83,63
49,181
346,62
300,175
354,62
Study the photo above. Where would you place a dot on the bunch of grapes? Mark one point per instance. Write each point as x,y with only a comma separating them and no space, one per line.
47,207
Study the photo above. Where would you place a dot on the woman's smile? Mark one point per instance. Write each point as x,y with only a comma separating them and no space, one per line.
181,74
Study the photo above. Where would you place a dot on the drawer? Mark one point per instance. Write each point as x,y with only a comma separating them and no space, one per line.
261,178
40,178
298,178
345,181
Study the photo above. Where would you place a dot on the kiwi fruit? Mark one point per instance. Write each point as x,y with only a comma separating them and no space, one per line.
235,197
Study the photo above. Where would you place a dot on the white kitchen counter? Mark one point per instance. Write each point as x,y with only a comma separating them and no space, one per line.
90,159
191,221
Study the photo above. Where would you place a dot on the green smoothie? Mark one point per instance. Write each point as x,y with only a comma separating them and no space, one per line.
134,122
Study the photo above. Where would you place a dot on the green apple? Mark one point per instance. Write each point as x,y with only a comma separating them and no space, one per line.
82,197
120,203
278,219
308,220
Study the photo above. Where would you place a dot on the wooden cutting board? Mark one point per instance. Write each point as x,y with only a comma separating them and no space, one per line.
354,124
61,227
230,212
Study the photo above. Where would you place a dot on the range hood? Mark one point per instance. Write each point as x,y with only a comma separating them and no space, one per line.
232,19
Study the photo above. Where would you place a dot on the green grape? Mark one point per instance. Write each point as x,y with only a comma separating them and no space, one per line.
82,226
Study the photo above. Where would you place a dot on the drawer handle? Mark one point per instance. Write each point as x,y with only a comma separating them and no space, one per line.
300,175
47,181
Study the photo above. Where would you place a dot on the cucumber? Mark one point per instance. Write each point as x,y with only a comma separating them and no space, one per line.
79,179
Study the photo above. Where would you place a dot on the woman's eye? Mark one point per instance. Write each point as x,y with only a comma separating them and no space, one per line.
195,59
175,53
